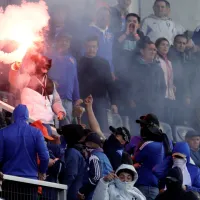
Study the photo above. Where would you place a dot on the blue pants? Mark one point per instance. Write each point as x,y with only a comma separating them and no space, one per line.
149,192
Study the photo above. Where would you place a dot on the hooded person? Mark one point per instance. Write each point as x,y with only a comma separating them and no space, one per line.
37,91
73,171
98,166
155,143
115,144
180,158
119,185
174,184
20,145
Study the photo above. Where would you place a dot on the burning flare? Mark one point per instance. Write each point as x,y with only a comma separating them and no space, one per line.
21,26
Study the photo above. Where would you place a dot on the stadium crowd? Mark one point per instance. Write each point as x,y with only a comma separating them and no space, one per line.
116,62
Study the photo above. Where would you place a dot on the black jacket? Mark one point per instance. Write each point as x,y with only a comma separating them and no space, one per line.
114,151
95,78
146,83
123,52
174,188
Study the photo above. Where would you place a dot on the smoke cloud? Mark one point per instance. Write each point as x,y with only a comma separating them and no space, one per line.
21,26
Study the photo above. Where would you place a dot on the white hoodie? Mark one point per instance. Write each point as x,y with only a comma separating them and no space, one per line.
155,27
117,190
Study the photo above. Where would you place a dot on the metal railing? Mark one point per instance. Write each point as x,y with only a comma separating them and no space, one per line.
18,188
10,109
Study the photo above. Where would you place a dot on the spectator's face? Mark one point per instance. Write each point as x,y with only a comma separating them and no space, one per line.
120,139
149,52
124,4
133,21
194,142
161,9
91,49
125,177
42,66
163,48
103,19
63,44
180,44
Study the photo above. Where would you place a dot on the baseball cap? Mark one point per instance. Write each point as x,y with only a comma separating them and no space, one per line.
38,124
93,137
72,133
148,119
191,134
124,132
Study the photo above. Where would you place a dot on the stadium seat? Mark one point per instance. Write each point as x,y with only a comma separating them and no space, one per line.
179,133
166,128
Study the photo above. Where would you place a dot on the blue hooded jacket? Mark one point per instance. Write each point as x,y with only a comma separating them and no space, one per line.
20,144
161,170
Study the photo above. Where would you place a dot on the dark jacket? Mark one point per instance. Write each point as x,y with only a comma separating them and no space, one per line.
146,84
98,166
123,53
174,188
117,23
184,68
95,78
114,151
73,172
162,169
20,144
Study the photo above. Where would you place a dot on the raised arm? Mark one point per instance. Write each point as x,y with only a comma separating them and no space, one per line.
94,125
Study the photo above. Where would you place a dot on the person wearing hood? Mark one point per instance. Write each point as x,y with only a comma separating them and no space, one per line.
114,145
64,73
119,185
74,168
174,185
38,91
154,142
20,144
101,29
180,158
147,87
98,166
159,24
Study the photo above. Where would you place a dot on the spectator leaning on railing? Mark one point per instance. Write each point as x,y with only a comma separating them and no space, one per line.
38,92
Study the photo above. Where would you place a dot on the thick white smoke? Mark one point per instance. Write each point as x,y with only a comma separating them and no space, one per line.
22,24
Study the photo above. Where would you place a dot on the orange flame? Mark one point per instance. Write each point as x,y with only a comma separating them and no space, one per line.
22,24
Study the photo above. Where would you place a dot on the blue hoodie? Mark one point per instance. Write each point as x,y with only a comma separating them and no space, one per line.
64,73
20,144
161,170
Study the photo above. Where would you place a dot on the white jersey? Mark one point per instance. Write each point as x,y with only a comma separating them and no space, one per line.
155,28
